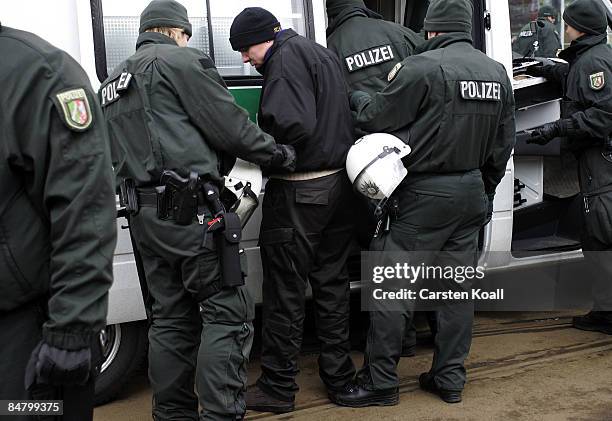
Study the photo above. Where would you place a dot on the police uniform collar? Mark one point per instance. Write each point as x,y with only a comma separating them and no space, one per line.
580,45
444,40
153,38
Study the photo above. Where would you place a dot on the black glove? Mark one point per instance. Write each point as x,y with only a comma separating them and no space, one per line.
543,68
356,98
544,134
536,70
55,366
284,158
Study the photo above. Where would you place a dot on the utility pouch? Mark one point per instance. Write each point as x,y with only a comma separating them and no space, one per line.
128,197
164,203
607,149
228,247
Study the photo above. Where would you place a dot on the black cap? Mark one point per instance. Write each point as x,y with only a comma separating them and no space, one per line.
335,7
547,11
253,25
449,16
164,14
588,16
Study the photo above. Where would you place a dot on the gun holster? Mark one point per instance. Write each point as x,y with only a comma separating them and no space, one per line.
228,247
178,195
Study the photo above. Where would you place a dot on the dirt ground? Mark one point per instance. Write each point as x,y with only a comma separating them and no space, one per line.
516,371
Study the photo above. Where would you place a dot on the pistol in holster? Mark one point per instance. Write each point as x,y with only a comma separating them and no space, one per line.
227,231
178,196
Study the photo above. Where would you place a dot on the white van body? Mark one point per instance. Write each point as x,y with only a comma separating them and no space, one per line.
74,26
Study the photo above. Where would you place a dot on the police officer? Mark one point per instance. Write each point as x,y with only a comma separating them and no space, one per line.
306,230
545,41
168,109
586,126
57,226
368,47
454,107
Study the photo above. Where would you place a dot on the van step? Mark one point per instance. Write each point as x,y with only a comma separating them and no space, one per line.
550,243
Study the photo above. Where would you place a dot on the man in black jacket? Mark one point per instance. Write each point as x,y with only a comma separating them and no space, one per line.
306,229
454,106
57,227
200,318
586,127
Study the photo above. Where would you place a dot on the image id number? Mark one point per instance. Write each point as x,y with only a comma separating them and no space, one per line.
31,407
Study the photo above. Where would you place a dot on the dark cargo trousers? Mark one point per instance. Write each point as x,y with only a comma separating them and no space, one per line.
306,233
186,328
436,213
597,248
20,332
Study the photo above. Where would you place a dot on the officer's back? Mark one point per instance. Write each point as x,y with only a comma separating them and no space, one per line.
151,107
463,95
368,46
176,99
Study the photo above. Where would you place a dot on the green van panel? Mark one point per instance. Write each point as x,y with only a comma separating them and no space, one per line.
248,98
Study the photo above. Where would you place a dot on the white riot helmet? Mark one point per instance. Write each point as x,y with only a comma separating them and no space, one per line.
374,165
242,187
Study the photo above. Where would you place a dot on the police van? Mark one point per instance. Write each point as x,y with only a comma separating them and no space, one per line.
537,206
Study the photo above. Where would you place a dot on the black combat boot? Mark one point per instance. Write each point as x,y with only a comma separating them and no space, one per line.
596,321
258,400
360,394
427,383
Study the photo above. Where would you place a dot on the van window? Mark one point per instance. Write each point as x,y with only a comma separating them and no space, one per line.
536,27
411,13
118,21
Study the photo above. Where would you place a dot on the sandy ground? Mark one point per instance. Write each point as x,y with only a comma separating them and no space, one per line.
545,372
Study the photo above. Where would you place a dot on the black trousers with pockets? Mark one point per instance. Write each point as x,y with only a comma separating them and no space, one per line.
306,234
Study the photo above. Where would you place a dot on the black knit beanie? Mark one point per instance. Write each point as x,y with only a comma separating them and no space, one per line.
547,11
588,16
335,7
164,14
449,16
253,25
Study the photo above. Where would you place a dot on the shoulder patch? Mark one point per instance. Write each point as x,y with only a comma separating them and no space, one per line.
74,109
394,72
597,80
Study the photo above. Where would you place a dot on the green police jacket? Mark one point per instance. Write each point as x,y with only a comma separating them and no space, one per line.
369,47
168,108
587,88
549,41
452,104
57,213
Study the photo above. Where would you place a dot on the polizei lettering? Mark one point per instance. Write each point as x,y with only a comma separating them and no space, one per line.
368,58
111,92
480,91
